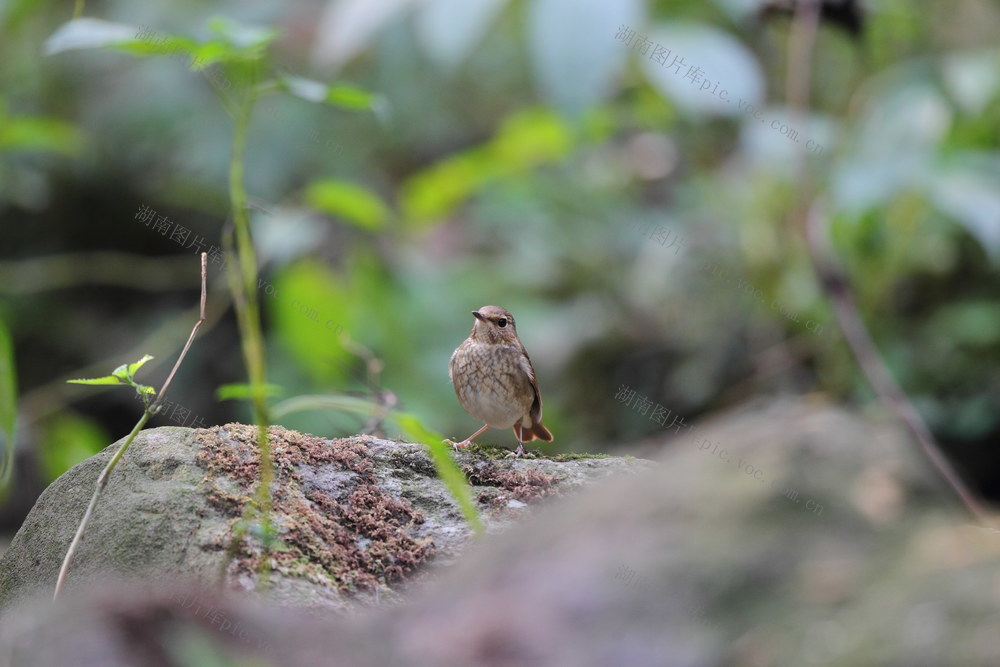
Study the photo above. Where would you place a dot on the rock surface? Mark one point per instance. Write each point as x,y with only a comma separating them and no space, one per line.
789,533
357,516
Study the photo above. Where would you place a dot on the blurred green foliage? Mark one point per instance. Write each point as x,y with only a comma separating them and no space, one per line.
67,439
8,406
515,150
19,133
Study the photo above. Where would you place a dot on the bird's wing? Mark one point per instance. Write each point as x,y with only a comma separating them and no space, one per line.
535,412
451,364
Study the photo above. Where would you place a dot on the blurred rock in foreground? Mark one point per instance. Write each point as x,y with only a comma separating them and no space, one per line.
789,533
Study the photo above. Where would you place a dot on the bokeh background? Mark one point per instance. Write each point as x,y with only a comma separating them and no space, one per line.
535,154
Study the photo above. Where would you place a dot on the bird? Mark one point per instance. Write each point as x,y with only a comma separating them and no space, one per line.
494,379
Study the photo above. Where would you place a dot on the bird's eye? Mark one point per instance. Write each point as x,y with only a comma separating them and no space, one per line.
502,322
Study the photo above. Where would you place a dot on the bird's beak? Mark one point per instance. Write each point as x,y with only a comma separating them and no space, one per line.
479,316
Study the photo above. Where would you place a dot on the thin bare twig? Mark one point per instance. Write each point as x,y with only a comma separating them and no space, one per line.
848,315
201,318
833,279
102,479
385,400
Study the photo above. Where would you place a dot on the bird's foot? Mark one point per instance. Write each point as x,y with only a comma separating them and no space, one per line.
456,445
521,453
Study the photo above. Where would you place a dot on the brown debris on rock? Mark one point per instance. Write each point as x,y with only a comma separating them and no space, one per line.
355,521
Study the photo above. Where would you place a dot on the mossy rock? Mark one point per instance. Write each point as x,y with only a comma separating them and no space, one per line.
355,519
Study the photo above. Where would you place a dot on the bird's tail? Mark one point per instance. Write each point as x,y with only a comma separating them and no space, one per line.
536,432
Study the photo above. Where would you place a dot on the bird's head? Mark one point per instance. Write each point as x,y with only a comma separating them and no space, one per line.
494,325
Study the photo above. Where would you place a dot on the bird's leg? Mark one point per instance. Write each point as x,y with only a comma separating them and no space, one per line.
468,441
519,452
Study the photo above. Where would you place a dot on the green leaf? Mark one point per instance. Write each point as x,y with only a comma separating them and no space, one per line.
728,69
344,96
339,402
448,30
133,367
241,36
348,201
121,375
241,390
525,140
529,138
158,44
433,193
307,89
573,49
311,308
447,470
88,33
207,54
14,12
350,26
234,42
107,379
8,405
968,193
38,133
142,390
351,97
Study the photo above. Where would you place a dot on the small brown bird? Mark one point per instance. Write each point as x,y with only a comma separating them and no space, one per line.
494,380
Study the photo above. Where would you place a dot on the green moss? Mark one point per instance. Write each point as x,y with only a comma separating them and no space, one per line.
496,452
486,450
413,460
576,456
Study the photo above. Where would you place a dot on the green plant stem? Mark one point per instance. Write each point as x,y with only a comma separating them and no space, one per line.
102,481
248,309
